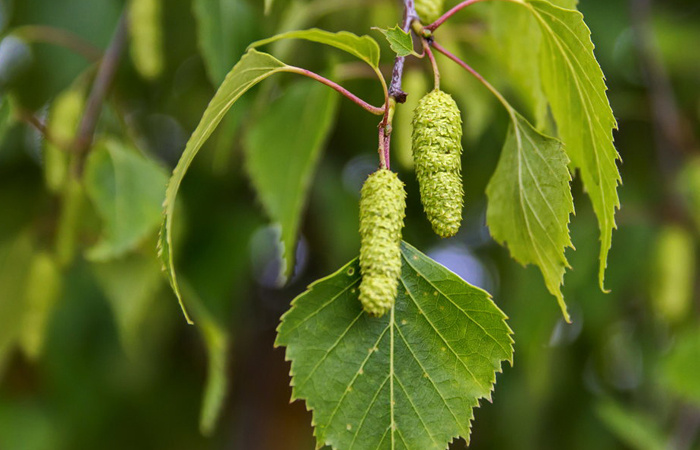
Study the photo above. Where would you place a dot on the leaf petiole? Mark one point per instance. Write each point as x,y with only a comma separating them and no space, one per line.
332,84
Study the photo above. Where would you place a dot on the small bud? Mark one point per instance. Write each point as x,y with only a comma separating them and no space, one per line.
382,211
437,155
429,10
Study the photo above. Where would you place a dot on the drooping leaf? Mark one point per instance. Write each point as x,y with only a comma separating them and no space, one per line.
407,380
283,149
400,41
249,71
146,29
130,285
638,431
363,47
127,191
681,367
224,29
44,286
530,202
575,86
217,342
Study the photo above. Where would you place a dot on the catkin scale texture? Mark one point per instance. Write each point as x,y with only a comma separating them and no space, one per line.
382,212
429,10
437,155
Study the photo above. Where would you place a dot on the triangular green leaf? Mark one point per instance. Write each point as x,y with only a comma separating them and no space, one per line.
407,380
575,86
530,202
127,191
400,41
224,29
249,71
363,47
283,149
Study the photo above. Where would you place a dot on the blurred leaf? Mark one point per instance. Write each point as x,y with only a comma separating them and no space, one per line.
530,202
268,6
673,273
64,118
517,42
283,149
634,429
224,28
130,285
363,47
217,343
15,258
69,229
415,83
146,28
410,378
681,368
44,286
127,191
575,87
399,41
253,68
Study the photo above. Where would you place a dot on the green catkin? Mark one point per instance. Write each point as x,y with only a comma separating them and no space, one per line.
429,10
382,211
437,155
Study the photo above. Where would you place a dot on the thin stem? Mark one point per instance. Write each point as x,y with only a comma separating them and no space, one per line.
63,38
103,81
436,71
476,75
352,97
29,118
434,26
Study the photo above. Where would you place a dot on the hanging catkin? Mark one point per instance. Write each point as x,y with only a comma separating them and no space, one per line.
437,155
429,10
382,211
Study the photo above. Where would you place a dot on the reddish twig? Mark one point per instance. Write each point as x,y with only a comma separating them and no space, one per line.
349,95
434,26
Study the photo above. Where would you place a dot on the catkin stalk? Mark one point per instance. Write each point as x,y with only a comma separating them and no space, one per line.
437,155
382,212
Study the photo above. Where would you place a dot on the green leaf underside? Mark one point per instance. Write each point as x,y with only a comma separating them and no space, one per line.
283,149
575,86
253,68
127,191
399,41
363,47
517,43
224,28
422,367
530,202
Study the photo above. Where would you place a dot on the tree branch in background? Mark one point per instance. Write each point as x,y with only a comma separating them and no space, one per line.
103,82
63,38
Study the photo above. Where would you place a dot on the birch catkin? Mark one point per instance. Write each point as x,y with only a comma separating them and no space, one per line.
429,10
437,155
382,211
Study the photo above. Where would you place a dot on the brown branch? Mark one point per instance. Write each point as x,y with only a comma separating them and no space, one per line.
103,82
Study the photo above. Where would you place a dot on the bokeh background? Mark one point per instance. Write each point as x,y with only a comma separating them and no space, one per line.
94,351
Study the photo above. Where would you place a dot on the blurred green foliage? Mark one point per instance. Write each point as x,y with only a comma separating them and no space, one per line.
94,352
